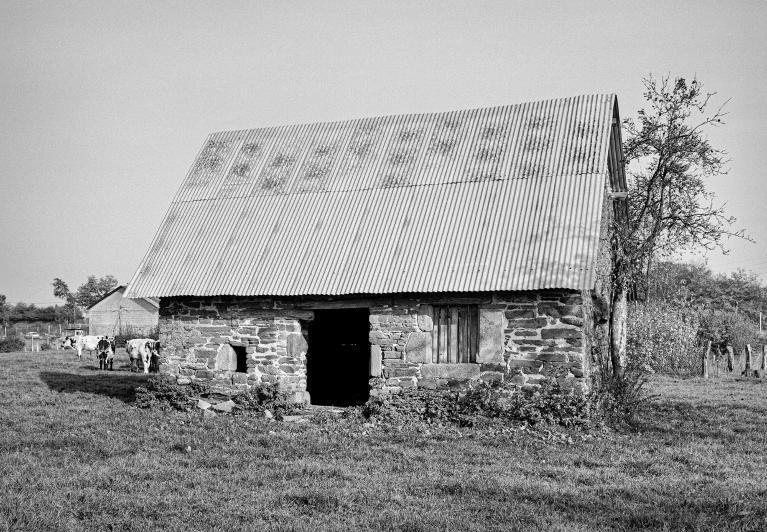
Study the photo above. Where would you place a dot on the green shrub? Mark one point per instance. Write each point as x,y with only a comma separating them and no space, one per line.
548,403
163,392
415,406
265,397
11,343
724,328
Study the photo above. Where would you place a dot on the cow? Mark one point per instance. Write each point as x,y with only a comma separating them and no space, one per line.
106,353
146,349
82,343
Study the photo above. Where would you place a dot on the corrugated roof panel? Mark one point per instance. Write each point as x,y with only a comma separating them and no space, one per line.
457,237
506,198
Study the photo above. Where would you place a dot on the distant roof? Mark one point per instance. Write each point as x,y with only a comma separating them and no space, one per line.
503,198
152,301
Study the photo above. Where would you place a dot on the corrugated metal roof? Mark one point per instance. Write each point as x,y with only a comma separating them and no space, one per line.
506,198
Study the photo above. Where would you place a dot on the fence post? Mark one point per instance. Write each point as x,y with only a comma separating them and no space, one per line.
764,357
717,353
730,359
705,360
747,370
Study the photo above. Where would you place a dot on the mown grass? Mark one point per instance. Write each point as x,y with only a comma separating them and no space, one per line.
75,454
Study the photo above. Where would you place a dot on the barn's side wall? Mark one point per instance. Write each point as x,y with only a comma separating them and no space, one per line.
524,337
596,302
116,314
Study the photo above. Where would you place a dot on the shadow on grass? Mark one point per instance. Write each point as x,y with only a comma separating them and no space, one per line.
117,385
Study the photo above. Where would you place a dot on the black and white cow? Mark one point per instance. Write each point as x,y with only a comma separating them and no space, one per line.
145,349
106,353
82,343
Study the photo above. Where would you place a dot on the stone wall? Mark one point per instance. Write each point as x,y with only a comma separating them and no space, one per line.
544,338
524,337
596,303
199,337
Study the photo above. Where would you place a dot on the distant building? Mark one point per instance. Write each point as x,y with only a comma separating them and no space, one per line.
116,314
363,257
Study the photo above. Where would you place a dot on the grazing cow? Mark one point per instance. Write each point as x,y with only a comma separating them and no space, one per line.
146,349
82,343
106,353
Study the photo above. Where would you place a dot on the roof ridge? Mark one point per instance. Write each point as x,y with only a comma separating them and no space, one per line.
408,114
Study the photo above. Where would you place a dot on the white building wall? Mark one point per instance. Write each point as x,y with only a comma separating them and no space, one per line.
119,315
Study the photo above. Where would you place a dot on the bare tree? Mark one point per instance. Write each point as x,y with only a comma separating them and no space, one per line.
669,160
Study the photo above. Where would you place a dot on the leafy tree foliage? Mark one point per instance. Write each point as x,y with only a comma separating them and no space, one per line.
61,289
669,160
94,289
87,293
694,285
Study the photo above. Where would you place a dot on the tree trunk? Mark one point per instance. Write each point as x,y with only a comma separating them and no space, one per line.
618,333
764,356
647,279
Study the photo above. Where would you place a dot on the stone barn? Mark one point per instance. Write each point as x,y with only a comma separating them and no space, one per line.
116,314
369,256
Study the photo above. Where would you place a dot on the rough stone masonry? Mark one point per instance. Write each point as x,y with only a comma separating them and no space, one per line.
524,337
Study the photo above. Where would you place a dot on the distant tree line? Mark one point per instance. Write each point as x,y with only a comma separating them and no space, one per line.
88,293
23,312
696,286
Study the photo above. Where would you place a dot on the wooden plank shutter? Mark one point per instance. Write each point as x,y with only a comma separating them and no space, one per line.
455,336
443,335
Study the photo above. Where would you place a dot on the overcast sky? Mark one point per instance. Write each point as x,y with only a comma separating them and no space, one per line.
103,105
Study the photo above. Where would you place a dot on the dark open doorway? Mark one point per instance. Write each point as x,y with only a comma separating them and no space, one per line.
338,359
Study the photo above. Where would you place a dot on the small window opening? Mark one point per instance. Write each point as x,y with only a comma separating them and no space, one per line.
242,358
455,335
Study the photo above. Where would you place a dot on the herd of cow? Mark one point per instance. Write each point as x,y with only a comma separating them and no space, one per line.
145,349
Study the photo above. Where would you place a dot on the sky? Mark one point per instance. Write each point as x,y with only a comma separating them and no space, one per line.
104,105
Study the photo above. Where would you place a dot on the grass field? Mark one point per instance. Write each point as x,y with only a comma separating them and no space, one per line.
75,454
